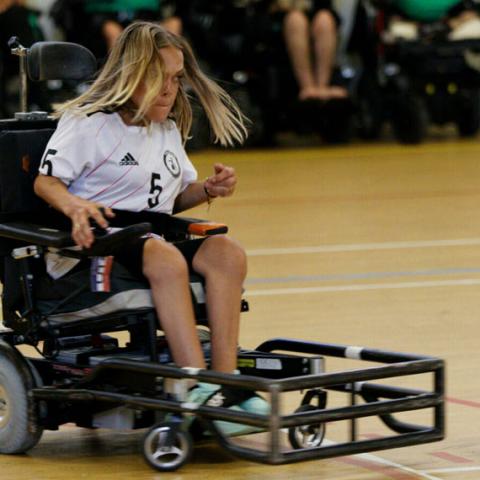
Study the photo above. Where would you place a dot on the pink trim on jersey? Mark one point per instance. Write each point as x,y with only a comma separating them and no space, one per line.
129,195
98,131
104,160
111,185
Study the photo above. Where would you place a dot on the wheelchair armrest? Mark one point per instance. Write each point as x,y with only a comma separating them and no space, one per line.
195,226
133,225
36,234
105,243
164,224
50,237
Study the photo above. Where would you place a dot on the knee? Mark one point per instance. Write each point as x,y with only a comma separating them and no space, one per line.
295,20
221,254
163,262
323,22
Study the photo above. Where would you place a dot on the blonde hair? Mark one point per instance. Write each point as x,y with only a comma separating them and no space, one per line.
135,58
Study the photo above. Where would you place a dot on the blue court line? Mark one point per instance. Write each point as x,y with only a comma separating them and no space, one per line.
362,276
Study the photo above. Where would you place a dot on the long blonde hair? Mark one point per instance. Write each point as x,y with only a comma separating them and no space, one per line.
134,58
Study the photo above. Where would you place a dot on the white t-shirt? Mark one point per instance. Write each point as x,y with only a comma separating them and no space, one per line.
102,159
132,168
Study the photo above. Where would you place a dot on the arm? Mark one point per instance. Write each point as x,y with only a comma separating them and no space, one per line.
221,184
192,196
55,193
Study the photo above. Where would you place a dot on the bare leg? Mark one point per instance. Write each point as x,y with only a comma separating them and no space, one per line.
296,33
166,270
222,263
324,32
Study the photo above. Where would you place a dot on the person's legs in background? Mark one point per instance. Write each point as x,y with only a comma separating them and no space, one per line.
297,39
311,47
324,33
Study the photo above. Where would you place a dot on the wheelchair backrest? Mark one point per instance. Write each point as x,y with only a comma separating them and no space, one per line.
22,145
21,149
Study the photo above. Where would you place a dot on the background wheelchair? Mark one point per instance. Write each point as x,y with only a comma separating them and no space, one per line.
417,82
84,376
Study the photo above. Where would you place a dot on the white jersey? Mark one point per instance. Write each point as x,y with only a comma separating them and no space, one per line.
100,158
103,160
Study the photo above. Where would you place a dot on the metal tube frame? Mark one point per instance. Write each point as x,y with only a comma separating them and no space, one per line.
382,401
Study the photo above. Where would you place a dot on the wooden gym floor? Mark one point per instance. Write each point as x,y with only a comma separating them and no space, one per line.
374,245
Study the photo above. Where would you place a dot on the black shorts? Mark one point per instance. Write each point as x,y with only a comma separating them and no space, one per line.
131,256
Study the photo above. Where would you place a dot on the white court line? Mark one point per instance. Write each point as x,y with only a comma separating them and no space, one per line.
359,247
453,470
388,463
362,287
382,461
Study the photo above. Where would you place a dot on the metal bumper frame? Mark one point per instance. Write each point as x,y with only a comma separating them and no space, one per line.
379,400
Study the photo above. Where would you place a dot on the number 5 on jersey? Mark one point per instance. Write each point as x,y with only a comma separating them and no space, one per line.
46,163
155,190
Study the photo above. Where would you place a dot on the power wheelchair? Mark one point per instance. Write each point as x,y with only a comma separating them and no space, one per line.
83,376
420,81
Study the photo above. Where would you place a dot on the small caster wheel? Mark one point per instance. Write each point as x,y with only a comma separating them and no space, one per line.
306,436
166,448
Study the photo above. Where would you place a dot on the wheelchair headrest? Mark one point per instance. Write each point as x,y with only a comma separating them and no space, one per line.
60,61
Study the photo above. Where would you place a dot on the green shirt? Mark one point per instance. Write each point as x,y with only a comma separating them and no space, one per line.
425,10
103,6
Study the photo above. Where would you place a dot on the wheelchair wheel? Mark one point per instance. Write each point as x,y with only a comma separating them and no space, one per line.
166,448
468,117
19,431
410,119
306,436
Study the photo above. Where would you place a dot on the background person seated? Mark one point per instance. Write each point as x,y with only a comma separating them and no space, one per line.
310,33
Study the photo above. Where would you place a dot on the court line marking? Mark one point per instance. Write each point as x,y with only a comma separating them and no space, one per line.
369,457
450,457
363,287
466,403
360,247
453,470
364,275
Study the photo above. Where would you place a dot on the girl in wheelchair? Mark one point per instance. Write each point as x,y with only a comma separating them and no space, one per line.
120,145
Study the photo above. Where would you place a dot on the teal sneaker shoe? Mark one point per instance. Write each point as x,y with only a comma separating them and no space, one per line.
255,404
201,392
240,401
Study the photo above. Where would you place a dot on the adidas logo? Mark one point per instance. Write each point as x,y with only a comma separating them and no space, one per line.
128,160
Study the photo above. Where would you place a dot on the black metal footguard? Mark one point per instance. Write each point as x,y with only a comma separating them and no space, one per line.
382,401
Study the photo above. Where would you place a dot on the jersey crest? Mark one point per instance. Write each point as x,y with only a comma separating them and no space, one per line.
171,162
